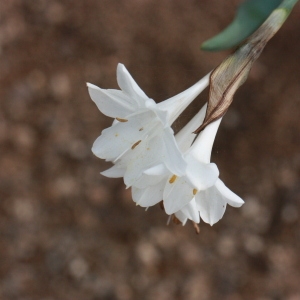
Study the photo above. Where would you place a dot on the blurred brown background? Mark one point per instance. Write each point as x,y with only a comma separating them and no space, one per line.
69,233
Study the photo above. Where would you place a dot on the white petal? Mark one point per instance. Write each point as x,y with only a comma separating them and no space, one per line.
114,172
185,136
156,170
129,86
114,141
191,211
202,147
177,194
178,103
211,205
152,178
181,217
148,196
112,103
201,175
173,158
230,197
161,115
119,138
146,180
144,156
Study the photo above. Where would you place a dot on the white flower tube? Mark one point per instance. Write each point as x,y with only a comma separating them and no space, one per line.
141,135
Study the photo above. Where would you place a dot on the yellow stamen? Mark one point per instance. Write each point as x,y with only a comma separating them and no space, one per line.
135,144
173,178
195,191
121,120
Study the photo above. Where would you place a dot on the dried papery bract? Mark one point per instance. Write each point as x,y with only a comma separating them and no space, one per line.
233,71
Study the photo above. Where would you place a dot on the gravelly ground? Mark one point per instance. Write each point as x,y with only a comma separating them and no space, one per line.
68,233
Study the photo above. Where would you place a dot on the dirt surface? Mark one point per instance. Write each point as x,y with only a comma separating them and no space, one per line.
68,233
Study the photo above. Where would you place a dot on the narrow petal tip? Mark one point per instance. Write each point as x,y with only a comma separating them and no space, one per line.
120,65
92,86
121,69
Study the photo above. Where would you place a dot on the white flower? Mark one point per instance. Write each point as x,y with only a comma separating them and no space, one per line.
198,191
140,136
210,203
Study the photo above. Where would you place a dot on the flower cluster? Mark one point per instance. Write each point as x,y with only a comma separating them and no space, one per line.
158,165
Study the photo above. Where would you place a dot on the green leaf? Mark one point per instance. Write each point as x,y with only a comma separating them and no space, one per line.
250,15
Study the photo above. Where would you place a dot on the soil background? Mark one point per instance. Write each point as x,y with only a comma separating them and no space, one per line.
66,232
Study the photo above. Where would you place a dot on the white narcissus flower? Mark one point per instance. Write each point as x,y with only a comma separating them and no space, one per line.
198,191
141,135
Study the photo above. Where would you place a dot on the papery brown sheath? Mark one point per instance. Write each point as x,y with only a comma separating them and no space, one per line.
234,70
